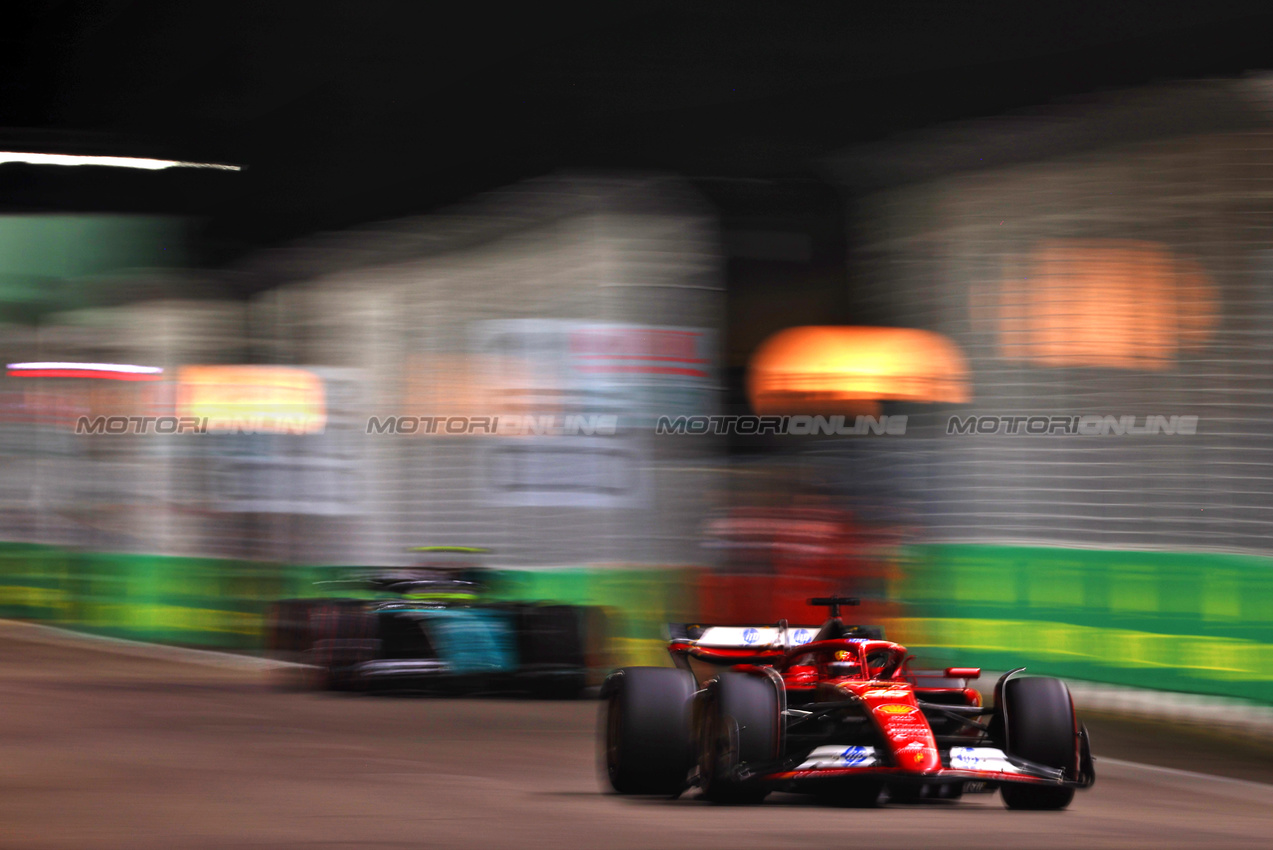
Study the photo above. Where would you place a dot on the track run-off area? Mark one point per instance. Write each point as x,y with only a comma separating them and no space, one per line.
104,747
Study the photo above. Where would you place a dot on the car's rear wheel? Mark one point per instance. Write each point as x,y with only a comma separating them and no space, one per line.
290,633
645,727
741,725
343,632
599,627
1038,717
551,649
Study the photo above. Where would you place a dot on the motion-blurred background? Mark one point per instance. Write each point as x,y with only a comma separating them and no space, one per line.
1059,211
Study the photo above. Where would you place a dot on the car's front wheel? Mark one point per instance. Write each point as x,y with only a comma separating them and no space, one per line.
1038,716
740,726
645,729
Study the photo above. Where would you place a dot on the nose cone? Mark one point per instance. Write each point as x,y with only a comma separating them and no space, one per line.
903,726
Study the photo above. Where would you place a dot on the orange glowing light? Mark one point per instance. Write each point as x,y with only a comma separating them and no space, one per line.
264,399
825,369
1103,303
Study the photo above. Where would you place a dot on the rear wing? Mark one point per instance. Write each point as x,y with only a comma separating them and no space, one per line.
736,644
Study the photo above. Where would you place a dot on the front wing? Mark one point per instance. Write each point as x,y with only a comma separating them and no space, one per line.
959,764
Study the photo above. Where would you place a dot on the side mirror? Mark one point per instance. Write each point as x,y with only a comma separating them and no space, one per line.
963,672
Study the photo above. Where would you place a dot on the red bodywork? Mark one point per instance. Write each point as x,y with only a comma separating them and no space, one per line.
876,678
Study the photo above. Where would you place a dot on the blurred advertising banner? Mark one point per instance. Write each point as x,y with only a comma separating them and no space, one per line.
636,371
571,397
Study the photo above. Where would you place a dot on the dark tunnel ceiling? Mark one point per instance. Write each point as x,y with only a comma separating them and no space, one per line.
345,112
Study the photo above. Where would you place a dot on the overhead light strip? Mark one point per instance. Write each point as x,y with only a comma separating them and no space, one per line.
111,161
96,367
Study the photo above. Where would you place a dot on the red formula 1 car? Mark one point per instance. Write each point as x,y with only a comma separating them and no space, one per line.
835,711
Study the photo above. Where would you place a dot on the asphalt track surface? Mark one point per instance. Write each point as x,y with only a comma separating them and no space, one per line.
102,749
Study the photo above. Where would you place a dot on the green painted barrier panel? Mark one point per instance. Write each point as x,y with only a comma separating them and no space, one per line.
198,601
1198,623
221,603
191,601
32,581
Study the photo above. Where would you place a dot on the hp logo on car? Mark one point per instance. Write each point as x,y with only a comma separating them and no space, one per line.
854,756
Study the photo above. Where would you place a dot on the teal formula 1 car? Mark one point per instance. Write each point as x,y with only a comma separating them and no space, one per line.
430,628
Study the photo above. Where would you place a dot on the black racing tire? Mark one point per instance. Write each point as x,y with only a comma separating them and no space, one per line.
550,646
272,628
288,637
740,725
599,628
342,630
1039,720
287,629
646,729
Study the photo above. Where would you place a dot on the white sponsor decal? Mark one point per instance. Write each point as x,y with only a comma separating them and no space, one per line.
840,756
757,636
980,758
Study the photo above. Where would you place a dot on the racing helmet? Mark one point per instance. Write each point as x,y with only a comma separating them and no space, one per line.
843,663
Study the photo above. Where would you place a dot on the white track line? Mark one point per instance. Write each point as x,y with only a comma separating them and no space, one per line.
1184,774
40,633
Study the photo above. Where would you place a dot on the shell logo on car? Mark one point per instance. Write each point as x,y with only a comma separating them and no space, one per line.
895,708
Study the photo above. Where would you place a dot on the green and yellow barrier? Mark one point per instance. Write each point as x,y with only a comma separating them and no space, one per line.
221,603
1200,623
